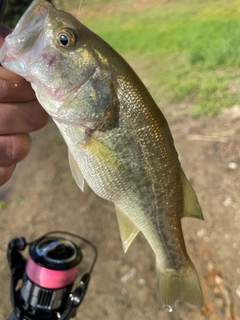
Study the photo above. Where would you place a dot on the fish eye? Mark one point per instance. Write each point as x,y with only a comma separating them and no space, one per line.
66,38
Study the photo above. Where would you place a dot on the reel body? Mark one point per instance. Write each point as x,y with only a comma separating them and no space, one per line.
47,276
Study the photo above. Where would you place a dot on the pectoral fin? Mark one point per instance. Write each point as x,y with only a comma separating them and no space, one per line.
128,230
76,172
191,205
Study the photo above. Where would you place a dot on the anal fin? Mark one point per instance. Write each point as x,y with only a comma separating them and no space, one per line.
76,172
128,230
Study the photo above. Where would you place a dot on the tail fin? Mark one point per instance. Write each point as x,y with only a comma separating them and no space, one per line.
179,285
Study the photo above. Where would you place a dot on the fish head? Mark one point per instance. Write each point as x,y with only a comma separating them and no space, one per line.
55,52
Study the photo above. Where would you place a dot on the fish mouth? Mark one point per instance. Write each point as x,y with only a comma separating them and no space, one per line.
28,30
33,17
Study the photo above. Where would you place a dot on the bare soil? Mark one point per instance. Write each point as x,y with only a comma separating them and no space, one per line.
42,196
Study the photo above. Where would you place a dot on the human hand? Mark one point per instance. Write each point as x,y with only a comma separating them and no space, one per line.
20,113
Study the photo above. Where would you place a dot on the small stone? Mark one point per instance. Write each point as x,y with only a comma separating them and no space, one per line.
232,165
227,236
238,291
201,233
142,282
129,275
228,202
218,280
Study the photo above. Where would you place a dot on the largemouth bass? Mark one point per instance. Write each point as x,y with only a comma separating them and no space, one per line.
118,139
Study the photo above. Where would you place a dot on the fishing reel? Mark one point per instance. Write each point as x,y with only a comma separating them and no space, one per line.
42,285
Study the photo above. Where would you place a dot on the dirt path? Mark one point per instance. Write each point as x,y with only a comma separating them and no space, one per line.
42,196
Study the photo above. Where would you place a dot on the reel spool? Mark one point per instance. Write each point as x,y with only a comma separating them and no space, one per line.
47,275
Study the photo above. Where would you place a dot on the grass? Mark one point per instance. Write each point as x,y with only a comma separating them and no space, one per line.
195,46
3,205
14,203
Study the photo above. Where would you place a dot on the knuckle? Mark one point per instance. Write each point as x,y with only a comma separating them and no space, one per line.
13,148
20,147
38,117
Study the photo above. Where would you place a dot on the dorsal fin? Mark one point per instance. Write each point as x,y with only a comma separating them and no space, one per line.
191,205
128,230
76,172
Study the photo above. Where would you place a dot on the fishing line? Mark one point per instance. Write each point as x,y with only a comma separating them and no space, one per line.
79,9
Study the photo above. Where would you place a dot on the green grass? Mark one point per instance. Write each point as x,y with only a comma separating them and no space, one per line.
194,45
3,205
14,203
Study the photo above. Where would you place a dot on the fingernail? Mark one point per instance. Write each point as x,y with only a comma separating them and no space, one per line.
3,89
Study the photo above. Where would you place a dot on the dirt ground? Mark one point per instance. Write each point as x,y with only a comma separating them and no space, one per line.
42,196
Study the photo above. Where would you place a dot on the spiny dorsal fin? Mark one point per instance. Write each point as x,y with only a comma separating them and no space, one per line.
191,205
76,172
128,230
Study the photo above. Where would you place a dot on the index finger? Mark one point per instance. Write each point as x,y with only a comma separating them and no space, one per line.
14,88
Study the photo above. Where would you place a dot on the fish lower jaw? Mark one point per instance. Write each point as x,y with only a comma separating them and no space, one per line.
11,63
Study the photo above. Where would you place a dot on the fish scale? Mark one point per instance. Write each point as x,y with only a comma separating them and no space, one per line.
118,139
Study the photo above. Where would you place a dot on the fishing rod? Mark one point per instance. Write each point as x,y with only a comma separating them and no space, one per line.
47,284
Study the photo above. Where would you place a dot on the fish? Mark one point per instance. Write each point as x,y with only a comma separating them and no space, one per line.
118,139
